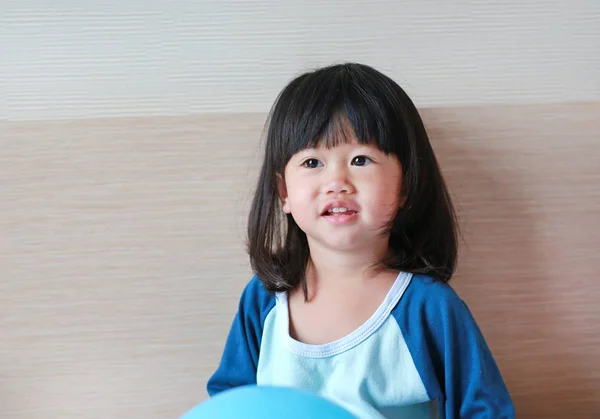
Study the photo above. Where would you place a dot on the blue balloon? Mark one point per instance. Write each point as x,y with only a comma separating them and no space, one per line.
256,402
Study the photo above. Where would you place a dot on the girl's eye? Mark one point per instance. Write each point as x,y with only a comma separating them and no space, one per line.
361,160
312,163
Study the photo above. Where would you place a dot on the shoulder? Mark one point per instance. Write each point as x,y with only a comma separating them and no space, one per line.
256,299
426,291
428,301
431,289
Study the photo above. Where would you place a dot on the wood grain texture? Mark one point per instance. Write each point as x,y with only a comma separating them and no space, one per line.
108,58
122,254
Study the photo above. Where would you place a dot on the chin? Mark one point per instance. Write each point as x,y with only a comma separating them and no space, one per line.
346,245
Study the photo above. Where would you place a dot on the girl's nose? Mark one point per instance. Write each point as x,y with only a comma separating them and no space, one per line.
338,182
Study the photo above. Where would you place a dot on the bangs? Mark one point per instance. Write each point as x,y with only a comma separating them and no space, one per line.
335,105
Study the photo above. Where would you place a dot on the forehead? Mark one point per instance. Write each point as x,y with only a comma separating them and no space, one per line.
339,133
345,147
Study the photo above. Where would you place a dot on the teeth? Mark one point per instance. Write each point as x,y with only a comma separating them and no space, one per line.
336,210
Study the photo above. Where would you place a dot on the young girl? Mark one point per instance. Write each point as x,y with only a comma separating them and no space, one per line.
352,236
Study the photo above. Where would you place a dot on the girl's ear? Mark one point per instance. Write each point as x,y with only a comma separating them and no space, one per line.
283,195
403,194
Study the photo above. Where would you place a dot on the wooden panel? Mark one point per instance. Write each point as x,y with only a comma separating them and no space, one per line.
114,58
526,184
122,258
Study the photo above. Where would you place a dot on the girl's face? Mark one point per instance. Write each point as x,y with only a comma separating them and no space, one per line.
342,197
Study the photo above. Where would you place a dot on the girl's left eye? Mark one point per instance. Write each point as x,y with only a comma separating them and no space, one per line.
361,160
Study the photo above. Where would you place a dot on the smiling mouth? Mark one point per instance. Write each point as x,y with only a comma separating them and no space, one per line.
336,212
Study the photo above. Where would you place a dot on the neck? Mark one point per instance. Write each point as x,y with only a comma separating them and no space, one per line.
329,267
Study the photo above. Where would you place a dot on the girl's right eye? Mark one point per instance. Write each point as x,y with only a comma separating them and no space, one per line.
312,163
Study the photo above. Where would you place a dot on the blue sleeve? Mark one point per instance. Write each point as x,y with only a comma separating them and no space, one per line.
240,356
450,353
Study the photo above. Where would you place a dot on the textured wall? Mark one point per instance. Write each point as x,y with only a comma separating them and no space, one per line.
122,255
129,140
71,59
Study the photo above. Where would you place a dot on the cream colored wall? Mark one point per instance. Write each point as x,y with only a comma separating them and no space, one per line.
99,58
129,140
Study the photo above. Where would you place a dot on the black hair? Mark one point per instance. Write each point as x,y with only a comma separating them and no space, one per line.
308,112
